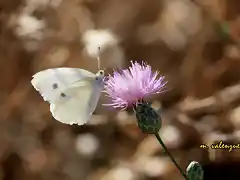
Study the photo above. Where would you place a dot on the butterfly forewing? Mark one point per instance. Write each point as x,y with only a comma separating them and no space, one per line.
50,82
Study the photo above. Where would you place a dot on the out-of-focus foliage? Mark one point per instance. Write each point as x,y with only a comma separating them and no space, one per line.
195,44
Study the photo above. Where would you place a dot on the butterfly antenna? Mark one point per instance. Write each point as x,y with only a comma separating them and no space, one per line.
98,58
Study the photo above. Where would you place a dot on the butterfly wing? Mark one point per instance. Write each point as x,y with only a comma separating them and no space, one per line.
76,104
50,82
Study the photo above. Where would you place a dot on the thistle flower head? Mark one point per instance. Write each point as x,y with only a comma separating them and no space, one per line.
128,86
194,171
148,119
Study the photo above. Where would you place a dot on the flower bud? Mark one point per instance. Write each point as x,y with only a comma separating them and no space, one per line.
195,171
148,119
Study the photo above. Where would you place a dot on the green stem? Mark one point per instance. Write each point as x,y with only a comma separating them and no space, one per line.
168,153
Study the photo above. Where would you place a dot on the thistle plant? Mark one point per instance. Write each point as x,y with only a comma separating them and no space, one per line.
130,88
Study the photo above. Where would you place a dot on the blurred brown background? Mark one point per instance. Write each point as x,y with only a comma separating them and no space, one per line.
195,44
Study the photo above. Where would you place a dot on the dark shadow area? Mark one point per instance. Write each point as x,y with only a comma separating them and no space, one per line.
224,171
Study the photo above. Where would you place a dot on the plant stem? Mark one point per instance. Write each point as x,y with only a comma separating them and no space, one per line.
168,153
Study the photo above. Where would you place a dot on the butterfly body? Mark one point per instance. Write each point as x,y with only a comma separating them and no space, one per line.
73,93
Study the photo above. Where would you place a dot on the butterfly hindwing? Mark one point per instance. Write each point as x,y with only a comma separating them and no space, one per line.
76,104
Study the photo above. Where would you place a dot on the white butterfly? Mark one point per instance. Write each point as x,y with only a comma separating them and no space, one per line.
73,93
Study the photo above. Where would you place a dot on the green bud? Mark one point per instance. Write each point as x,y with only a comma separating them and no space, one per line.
195,171
148,119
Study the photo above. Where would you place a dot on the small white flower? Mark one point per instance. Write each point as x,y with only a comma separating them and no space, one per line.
87,144
93,39
29,26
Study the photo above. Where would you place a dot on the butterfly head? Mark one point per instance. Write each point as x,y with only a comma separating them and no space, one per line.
100,75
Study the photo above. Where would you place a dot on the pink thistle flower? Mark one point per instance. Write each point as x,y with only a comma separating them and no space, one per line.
128,86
